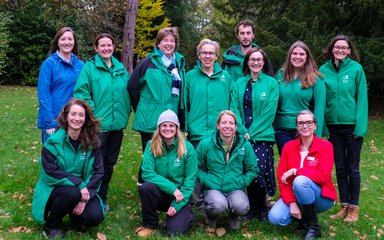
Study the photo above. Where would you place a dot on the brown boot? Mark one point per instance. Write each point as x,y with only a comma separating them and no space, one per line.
342,213
353,214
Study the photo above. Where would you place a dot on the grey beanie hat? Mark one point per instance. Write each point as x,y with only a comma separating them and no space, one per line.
168,116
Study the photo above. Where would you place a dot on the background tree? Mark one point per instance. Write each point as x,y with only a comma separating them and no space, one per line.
129,34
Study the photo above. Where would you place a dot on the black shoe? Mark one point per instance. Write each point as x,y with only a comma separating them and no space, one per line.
262,214
52,233
310,218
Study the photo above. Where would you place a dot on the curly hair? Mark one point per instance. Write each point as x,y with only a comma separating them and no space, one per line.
90,131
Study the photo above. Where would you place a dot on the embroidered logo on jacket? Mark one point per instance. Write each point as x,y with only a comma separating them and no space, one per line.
176,162
345,79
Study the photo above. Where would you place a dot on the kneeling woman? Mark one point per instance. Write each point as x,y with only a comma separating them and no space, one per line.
169,172
227,165
304,175
71,172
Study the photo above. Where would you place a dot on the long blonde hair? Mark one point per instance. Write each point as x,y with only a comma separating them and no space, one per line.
308,74
157,144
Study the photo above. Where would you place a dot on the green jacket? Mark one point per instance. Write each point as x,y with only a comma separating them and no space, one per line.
170,173
105,89
61,165
293,99
150,91
206,97
347,101
265,96
215,173
233,60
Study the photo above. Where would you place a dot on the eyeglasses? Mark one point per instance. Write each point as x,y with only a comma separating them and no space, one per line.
342,48
207,54
300,124
253,60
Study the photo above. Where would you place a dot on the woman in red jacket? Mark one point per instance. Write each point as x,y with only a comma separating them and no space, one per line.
304,176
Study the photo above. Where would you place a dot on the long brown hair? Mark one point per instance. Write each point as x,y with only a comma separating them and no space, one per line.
328,54
90,131
157,144
308,74
55,41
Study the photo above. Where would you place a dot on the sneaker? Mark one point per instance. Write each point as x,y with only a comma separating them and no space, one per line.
52,233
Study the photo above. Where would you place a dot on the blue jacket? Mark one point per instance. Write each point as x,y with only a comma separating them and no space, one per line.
55,85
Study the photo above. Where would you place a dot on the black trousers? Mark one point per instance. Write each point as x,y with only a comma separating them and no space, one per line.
63,200
152,200
145,138
110,149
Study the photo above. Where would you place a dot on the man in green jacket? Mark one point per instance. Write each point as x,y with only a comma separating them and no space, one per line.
234,56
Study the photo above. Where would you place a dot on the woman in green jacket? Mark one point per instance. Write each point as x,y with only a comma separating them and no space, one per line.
169,170
254,100
208,90
227,165
157,84
301,87
103,83
346,118
71,172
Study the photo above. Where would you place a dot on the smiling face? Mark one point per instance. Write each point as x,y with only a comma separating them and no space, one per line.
168,130
167,45
305,125
227,126
105,48
298,57
207,56
66,43
256,62
76,118
341,50
245,35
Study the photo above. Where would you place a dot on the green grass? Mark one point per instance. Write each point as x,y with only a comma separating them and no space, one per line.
20,148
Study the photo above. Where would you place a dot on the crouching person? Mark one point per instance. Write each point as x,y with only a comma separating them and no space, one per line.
71,172
169,169
304,176
227,165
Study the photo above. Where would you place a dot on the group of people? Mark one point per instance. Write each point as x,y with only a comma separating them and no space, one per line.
232,114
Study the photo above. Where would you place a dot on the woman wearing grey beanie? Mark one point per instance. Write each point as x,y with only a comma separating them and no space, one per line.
169,169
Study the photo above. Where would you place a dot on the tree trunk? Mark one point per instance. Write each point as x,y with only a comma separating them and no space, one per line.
129,35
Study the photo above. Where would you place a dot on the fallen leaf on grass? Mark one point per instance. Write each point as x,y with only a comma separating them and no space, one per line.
35,160
356,232
378,235
332,234
220,232
247,235
363,236
20,229
134,178
332,228
373,177
21,196
380,231
244,230
101,236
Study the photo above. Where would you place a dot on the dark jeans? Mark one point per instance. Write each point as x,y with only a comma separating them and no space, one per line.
145,138
152,200
283,136
63,200
110,149
347,150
